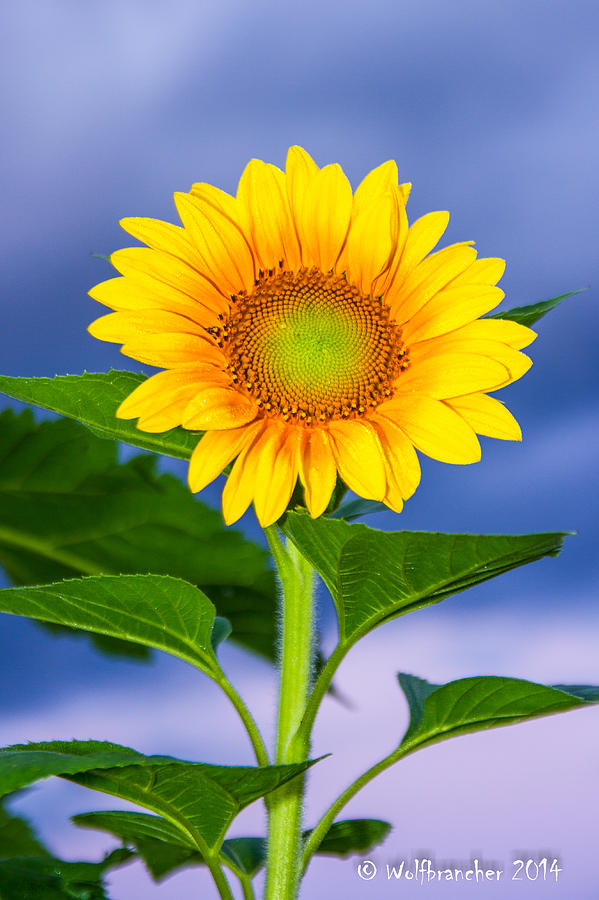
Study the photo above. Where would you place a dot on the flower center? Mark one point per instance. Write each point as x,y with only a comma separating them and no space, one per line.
311,347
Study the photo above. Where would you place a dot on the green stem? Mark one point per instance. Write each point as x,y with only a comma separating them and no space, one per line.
320,689
248,888
285,814
317,835
246,717
213,862
245,880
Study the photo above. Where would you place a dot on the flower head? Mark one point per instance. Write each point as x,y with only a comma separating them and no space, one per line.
308,330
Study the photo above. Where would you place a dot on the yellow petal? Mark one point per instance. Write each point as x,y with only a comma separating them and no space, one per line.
300,170
393,498
215,451
238,492
322,217
433,274
168,270
433,428
216,198
276,473
326,215
168,415
382,285
318,472
372,241
265,216
141,292
404,190
379,181
515,363
403,468
423,235
450,309
167,350
161,236
120,327
487,416
118,294
158,391
512,333
482,271
219,408
224,251
359,457
443,375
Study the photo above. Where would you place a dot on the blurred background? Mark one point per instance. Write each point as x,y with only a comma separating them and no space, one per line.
490,110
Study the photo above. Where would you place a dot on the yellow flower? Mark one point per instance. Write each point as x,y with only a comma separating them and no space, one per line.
309,331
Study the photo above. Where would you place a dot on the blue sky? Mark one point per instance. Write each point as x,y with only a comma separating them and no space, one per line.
490,111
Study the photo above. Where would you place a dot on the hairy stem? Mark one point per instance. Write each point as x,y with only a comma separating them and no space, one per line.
247,719
213,862
285,814
319,692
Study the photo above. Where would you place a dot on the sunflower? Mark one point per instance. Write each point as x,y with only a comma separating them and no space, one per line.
308,331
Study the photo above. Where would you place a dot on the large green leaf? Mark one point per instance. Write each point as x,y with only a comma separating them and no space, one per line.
199,799
48,878
164,848
93,398
154,610
374,575
528,315
438,712
67,508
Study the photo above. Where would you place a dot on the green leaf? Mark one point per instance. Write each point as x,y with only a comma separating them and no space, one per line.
246,854
17,837
164,848
528,315
374,576
199,799
30,878
93,398
438,712
153,610
67,508
583,691
352,836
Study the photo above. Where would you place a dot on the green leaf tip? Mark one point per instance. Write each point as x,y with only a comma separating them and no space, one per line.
375,575
441,711
528,315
